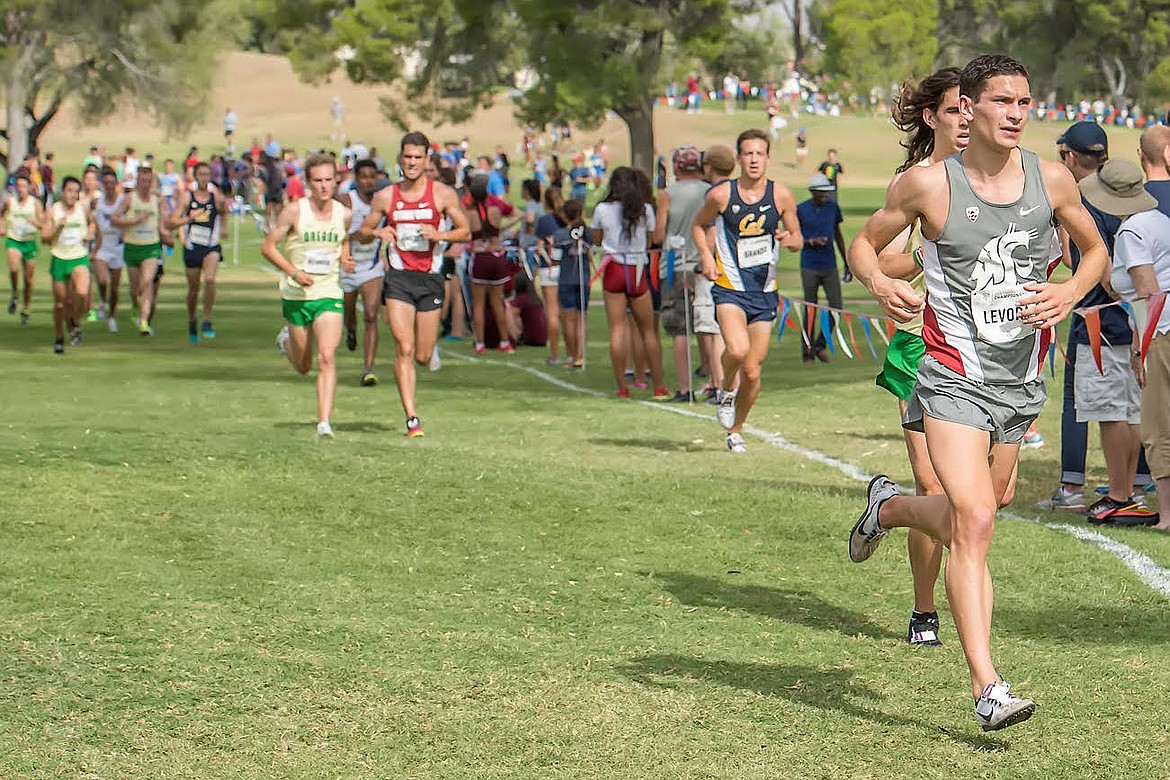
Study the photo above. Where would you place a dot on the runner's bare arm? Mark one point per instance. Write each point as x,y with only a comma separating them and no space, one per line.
901,208
179,215
347,263
894,262
50,230
369,230
1050,303
91,231
712,207
119,218
789,235
285,223
661,206
448,203
221,208
39,214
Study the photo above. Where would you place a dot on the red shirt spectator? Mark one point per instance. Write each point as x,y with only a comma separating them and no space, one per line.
294,188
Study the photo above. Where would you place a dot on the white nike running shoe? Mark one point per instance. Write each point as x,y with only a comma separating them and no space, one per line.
324,430
867,534
282,340
725,413
736,444
112,325
997,708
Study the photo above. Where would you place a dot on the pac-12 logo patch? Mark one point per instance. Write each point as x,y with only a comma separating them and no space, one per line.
972,213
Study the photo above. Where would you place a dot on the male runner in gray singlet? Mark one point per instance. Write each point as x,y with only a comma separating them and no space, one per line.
987,217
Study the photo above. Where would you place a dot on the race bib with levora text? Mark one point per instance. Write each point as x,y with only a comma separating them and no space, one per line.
996,312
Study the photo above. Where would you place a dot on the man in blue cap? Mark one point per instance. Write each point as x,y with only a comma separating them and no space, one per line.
1091,395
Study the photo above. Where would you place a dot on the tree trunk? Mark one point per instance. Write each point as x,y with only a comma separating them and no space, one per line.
639,121
797,40
15,100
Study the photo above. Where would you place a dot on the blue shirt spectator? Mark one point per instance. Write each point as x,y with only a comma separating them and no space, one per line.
819,219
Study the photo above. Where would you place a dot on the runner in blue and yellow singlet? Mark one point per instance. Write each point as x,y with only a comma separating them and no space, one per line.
754,216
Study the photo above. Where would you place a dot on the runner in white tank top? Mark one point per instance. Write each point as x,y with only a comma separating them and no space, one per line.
366,280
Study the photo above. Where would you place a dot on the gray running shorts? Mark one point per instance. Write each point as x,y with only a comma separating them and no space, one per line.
1004,411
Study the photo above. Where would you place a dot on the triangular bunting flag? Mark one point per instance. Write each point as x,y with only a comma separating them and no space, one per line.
1093,325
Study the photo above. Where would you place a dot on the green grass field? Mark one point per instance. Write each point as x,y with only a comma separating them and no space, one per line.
551,584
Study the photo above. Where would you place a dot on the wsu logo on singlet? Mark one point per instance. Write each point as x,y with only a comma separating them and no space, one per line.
999,279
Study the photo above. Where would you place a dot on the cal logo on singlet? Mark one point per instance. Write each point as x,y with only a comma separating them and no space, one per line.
975,274
745,242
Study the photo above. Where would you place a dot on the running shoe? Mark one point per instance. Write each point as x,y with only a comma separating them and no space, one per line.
368,379
661,394
206,331
1109,511
715,397
112,325
436,361
24,318
1063,498
867,534
736,444
91,315
552,361
479,349
1033,440
59,347
192,332
413,428
75,337
629,375
623,393
923,629
505,348
847,277
324,430
450,337
102,311
350,339
997,708
702,373
822,355
726,411
640,385
282,340
12,306
682,398
144,328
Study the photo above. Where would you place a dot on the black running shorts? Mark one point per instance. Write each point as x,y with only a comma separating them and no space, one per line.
422,290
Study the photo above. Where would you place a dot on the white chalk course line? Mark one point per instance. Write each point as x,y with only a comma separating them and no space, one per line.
1145,568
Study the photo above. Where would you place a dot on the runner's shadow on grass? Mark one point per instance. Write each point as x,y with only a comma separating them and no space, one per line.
355,426
788,604
828,689
659,445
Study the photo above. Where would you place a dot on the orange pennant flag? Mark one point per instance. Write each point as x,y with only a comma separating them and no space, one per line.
1093,325
1154,308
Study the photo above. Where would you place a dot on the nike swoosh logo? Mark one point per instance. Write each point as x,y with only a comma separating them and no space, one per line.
1025,212
764,208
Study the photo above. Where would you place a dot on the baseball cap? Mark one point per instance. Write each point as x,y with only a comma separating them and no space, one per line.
820,183
1086,137
686,158
720,158
1117,188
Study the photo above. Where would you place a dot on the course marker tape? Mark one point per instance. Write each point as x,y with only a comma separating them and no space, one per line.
1147,570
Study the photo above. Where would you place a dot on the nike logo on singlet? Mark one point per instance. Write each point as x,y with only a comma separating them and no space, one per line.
1025,212
765,208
